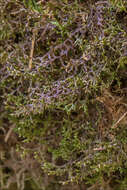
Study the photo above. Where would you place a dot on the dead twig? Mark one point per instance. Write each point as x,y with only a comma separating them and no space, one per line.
115,125
32,48
8,134
1,128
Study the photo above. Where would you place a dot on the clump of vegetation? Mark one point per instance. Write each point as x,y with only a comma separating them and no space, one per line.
63,88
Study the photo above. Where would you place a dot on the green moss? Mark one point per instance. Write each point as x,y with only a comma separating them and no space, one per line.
67,104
